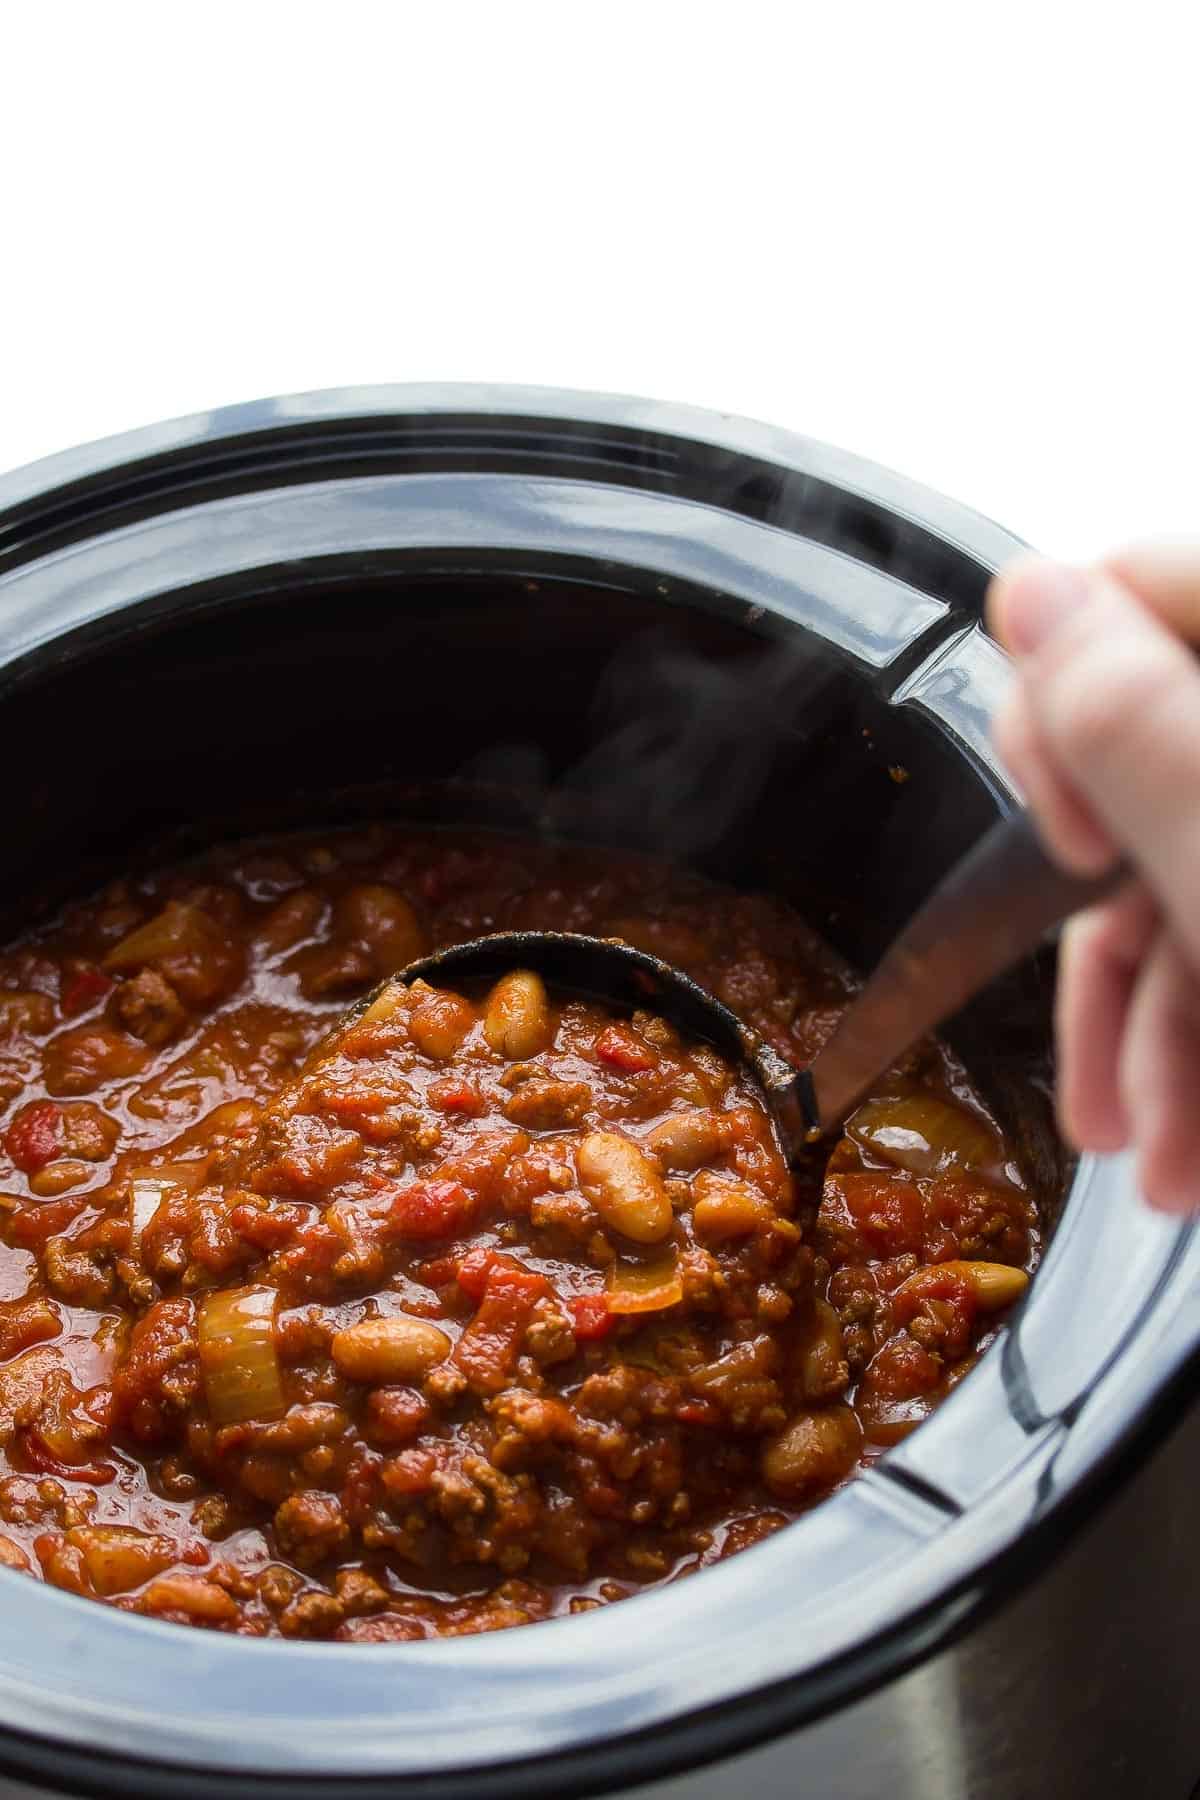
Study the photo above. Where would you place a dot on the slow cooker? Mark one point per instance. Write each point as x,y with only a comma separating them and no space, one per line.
640,625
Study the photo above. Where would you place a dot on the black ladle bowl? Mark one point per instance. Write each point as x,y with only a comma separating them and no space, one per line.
990,910
615,974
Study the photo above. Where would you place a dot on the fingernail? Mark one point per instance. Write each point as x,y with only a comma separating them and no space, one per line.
1039,598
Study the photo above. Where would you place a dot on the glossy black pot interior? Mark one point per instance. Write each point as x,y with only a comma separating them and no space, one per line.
627,625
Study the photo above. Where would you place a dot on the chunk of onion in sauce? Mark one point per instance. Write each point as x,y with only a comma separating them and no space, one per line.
145,1198
238,1358
924,1134
179,929
645,1286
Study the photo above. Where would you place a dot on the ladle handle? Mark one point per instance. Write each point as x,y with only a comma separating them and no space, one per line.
992,909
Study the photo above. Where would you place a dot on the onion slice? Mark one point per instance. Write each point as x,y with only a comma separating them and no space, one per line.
919,1132
146,1195
645,1287
238,1359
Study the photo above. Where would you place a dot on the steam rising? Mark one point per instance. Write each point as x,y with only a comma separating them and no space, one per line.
682,745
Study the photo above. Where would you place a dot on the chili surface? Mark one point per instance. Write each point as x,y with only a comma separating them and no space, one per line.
472,1309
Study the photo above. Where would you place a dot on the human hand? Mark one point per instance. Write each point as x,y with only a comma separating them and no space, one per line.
1102,731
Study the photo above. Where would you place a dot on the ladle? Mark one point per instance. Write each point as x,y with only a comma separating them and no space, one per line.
993,908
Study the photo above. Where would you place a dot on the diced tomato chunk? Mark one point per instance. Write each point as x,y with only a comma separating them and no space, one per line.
507,1276
270,1227
82,987
35,1136
39,1457
395,1414
698,1412
25,1322
487,1349
946,1303
431,1209
314,1251
307,1158
471,1271
886,1210
865,1214
591,1316
360,1489
901,1370
623,1049
455,1095
31,1227
940,1282
438,1272
411,1472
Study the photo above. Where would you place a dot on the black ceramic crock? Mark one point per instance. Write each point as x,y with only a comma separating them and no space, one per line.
634,624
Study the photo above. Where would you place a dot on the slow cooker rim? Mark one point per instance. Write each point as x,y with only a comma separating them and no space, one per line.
26,491
461,1778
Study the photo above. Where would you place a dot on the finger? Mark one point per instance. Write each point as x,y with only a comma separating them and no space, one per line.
1166,577
1068,826
1160,1062
1098,961
1115,700
1028,583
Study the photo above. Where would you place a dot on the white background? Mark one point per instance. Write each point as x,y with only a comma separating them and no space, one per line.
959,239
